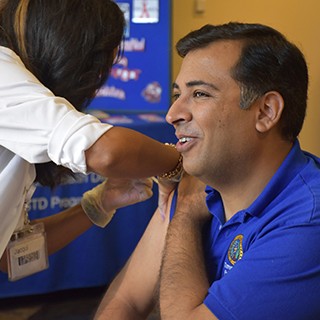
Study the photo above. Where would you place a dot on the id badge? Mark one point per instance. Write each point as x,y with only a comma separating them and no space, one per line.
27,252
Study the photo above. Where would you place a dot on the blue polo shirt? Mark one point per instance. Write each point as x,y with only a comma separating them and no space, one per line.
264,263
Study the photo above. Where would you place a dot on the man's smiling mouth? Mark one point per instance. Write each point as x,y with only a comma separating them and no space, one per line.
184,139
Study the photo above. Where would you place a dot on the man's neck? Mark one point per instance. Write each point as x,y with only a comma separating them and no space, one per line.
249,184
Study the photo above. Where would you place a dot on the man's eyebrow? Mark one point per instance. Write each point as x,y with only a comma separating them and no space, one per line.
175,86
195,83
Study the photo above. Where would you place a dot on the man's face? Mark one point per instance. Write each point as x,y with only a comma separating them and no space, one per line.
216,137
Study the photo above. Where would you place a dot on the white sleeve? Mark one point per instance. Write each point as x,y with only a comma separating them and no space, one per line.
38,126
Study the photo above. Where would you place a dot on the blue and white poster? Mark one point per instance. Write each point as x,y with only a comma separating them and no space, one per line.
141,80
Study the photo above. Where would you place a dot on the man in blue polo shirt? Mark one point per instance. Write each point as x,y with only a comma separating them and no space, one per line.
239,105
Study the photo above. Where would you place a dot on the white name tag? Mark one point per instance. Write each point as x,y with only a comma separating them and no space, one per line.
27,252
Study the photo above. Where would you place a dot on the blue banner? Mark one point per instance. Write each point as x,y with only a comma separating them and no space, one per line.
141,80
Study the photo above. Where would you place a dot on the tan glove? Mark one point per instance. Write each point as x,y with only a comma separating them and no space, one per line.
101,202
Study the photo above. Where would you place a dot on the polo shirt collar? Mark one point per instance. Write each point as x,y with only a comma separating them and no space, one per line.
289,168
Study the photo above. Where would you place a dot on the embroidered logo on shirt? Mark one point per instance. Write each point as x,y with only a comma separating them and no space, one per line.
235,251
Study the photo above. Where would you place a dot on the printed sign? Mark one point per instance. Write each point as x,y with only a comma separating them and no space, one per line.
141,80
145,11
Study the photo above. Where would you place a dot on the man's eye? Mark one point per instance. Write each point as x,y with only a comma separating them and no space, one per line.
199,94
175,96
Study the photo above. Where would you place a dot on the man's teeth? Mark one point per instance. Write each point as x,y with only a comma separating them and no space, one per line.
184,139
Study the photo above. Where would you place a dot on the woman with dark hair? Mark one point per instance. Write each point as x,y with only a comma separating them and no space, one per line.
54,56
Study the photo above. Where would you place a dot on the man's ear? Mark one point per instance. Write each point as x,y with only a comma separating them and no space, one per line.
270,109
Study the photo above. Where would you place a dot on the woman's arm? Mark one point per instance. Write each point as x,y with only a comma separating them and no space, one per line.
62,228
122,152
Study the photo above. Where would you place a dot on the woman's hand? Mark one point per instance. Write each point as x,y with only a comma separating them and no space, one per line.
101,202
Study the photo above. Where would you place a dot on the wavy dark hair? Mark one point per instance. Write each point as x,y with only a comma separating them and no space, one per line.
268,62
69,45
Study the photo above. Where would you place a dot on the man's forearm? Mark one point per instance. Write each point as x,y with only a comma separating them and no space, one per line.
183,283
116,309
